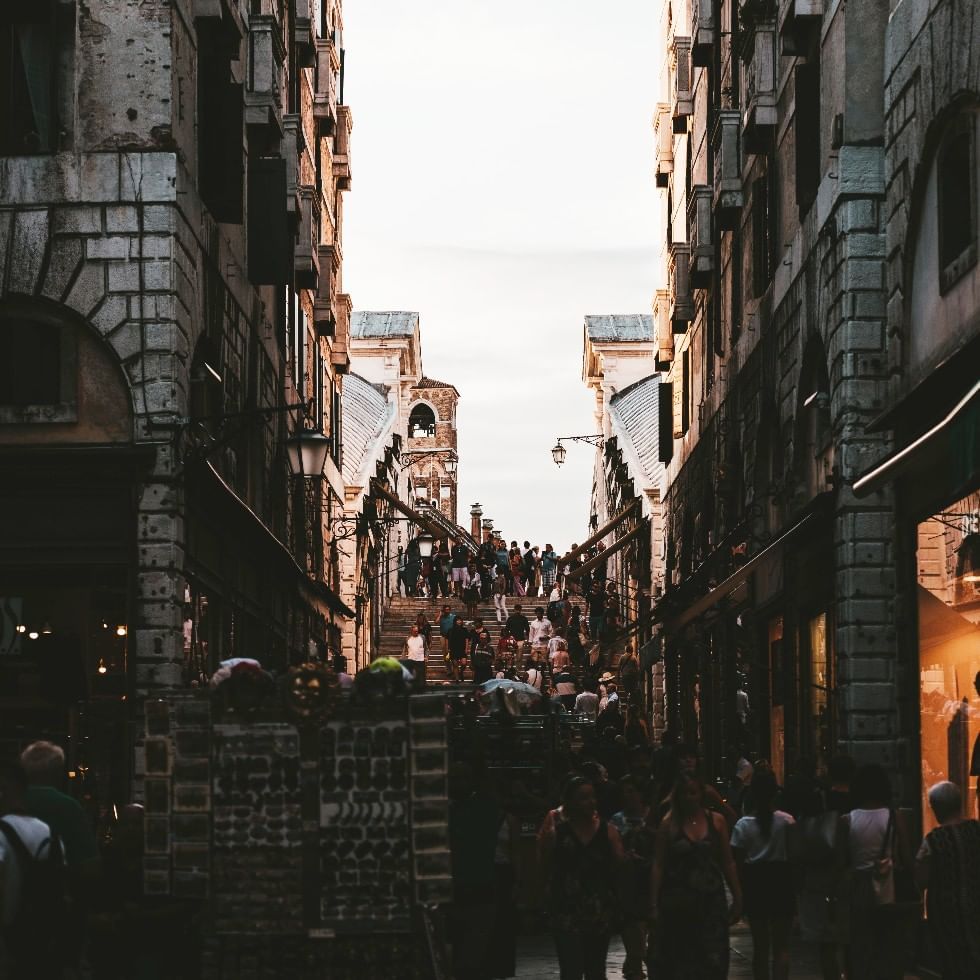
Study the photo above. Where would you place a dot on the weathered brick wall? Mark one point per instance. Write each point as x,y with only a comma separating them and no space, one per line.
313,833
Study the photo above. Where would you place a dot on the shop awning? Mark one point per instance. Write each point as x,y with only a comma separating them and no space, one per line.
952,443
640,528
314,592
734,580
610,525
411,514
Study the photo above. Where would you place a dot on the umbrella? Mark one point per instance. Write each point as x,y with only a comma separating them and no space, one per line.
521,692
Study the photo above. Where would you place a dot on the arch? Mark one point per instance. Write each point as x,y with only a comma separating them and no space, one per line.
929,319
422,419
59,371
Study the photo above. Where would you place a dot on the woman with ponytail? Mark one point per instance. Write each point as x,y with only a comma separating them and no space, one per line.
760,844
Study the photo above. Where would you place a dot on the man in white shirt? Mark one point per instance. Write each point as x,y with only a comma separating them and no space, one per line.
415,654
540,631
587,703
558,652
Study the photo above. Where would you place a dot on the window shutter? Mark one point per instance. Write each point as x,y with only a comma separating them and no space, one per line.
665,428
221,176
270,252
807,130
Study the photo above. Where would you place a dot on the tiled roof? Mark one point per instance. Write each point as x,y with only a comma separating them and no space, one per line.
391,323
619,326
432,383
365,411
634,413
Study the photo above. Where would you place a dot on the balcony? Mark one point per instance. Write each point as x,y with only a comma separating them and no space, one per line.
664,136
678,287
728,196
665,333
761,115
265,77
304,38
699,235
797,21
306,260
703,33
225,13
341,153
325,86
683,96
339,355
324,320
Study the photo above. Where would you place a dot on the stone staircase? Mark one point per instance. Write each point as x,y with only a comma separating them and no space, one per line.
402,613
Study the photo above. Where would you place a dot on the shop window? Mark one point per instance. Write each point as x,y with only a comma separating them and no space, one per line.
422,423
957,211
29,78
37,370
948,605
819,684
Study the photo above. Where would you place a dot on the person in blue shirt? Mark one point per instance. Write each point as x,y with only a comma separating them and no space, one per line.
446,622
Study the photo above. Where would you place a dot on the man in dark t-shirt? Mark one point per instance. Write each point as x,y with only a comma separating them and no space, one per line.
519,628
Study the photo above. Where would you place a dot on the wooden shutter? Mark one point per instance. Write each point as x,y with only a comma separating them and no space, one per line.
270,246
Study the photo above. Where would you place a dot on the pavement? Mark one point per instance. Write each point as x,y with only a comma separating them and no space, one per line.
536,958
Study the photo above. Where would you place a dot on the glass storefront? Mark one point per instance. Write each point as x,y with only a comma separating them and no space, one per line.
948,591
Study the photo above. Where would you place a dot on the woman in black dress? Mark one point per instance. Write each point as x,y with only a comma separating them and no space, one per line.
692,862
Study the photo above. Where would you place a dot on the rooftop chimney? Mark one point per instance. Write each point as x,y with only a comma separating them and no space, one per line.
476,512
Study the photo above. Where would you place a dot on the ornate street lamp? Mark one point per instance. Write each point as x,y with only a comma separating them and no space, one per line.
558,451
307,451
426,541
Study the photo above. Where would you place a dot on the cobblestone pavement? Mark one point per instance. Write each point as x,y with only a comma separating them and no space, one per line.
536,958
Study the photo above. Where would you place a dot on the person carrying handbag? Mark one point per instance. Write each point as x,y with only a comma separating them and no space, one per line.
883,903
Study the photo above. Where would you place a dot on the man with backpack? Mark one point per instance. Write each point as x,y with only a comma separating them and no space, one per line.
34,909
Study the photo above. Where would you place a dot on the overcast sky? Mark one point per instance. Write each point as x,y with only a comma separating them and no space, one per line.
502,156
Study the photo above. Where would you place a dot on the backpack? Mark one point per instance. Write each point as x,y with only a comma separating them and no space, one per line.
40,932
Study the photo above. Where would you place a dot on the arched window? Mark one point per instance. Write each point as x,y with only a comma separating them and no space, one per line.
422,423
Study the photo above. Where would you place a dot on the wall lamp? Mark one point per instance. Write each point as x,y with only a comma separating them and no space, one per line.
450,463
558,451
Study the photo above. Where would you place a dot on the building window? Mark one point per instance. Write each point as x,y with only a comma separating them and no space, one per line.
807,132
445,491
28,78
37,370
957,211
763,236
422,423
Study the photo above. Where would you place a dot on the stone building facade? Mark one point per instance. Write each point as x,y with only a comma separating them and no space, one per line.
171,312
773,331
432,443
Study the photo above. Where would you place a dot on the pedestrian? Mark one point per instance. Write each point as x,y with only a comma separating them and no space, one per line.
535,675
443,558
503,563
539,632
471,592
428,583
459,642
639,837
506,860
558,651
689,910
587,703
425,628
874,842
564,681
516,569
549,568
596,605
519,628
482,659
37,941
611,716
629,675
500,595
760,845
581,858
459,559
948,870
446,622
573,634
506,648
412,567
635,730
474,820
414,653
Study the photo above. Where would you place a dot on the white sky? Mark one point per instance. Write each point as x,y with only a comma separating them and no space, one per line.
502,156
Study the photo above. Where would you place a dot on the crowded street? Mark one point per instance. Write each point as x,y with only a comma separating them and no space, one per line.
489,491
